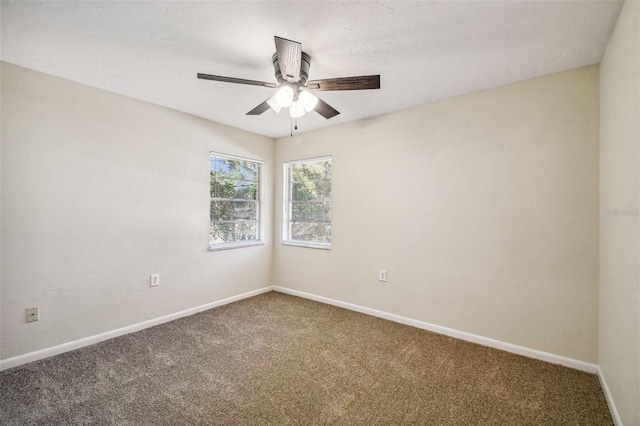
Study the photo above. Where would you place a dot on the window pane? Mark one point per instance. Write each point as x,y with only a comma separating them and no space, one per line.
226,187
313,212
311,190
233,210
239,169
311,231
311,171
308,202
226,232
232,181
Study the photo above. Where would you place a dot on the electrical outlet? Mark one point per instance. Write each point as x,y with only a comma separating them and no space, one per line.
155,280
383,276
33,314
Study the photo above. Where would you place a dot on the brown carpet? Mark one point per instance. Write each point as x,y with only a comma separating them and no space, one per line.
276,359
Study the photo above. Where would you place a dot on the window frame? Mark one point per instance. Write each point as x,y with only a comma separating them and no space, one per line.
287,204
259,241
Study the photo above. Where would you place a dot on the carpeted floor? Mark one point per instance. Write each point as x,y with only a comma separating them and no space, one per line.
276,359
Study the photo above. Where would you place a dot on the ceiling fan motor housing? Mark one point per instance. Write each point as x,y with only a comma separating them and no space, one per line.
305,64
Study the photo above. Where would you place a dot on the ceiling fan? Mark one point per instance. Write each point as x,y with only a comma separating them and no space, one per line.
291,67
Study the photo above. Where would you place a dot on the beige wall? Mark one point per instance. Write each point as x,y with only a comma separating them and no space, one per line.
619,233
98,192
482,209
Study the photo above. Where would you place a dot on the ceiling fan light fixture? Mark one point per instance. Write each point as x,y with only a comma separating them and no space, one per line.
273,103
308,100
284,96
296,110
291,66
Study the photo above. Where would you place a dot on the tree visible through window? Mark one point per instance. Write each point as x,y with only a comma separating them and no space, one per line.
235,201
308,203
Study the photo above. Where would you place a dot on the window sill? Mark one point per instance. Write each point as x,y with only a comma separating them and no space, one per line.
229,246
308,244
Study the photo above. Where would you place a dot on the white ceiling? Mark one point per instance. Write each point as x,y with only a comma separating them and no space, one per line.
424,51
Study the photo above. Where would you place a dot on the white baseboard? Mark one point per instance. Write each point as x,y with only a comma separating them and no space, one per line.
617,421
77,344
485,341
508,347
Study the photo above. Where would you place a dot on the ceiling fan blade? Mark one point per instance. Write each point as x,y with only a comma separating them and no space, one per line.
259,109
235,80
362,82
325,110
289,57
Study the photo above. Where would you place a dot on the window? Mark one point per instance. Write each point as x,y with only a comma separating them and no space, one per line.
307,209
234,219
